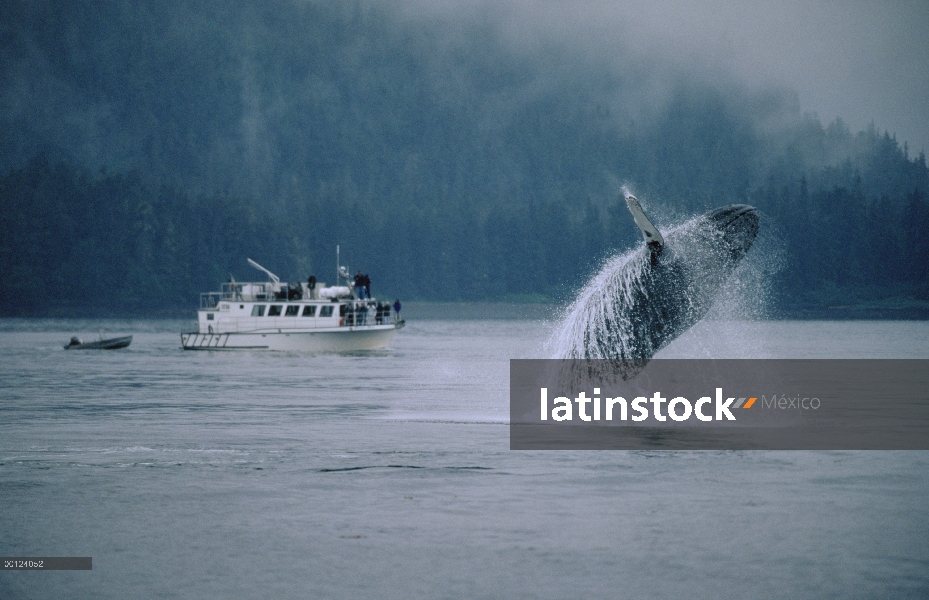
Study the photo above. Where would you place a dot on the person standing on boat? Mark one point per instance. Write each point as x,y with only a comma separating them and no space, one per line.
349,314
311,285
360,285
366,281
397,309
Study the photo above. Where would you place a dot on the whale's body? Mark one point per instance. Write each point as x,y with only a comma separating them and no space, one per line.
643,300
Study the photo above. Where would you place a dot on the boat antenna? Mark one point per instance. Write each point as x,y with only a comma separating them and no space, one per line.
273,277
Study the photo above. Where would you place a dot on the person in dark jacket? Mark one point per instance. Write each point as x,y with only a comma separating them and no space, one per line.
311,285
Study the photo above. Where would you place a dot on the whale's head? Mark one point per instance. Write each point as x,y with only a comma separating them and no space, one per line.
737,225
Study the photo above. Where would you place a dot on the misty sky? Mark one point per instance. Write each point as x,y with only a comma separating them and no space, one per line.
855,59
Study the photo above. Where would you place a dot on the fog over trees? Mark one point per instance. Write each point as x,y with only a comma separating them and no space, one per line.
148,148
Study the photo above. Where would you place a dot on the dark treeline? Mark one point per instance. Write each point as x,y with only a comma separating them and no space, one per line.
148,149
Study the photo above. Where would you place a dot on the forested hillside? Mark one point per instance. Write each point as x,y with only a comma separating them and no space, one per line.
148,148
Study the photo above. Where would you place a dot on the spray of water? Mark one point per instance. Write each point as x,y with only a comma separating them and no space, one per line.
632,308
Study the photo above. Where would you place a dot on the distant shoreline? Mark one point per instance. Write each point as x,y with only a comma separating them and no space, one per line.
852,313
544,311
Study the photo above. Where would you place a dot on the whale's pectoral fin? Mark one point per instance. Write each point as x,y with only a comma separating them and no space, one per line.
649,232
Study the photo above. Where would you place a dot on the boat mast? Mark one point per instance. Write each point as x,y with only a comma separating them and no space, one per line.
273,277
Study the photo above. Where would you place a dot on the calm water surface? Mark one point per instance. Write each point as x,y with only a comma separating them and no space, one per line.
388,475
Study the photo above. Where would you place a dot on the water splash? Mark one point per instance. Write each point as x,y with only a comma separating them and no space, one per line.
634,307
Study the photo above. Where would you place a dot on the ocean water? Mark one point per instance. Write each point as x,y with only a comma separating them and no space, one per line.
389,475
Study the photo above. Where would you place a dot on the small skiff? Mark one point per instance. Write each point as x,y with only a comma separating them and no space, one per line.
110,344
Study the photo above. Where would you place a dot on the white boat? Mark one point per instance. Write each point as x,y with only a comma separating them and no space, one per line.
276,315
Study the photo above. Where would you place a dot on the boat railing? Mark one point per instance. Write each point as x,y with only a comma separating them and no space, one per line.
367,312
245,291
209,299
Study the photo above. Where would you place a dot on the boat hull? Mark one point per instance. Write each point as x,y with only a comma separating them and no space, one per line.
111,344
343,339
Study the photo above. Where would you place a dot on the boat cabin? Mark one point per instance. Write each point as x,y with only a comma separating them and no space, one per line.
278,307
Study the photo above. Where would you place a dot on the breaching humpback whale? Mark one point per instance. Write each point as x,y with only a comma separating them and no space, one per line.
643,300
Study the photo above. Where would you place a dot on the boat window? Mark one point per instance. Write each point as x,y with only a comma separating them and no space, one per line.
325,311
309,311
274,310
293,311
209,316
258,310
